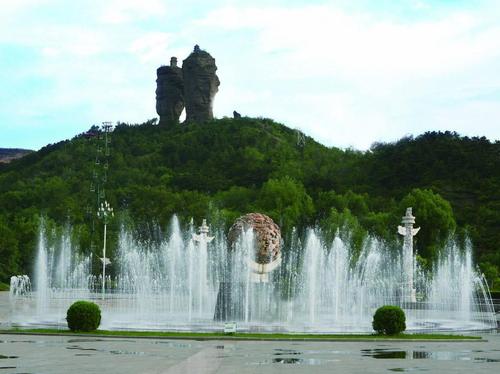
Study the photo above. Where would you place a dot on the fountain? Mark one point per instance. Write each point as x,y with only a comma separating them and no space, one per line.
20,285
306,286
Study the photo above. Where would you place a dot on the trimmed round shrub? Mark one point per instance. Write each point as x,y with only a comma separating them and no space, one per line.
83,316
389,320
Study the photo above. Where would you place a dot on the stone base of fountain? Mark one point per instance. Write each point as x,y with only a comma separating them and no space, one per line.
227,309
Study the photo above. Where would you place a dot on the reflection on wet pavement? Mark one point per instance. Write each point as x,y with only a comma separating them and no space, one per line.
87,340
408,369
113,352
120,352
293,360
59,354
81,348
435,355
173,344
383,353
290,360
281,352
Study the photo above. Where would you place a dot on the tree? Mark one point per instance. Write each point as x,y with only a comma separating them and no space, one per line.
286,202
490,272
347,225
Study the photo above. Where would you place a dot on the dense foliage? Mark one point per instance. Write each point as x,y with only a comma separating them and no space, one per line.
389,320
83,316
229,167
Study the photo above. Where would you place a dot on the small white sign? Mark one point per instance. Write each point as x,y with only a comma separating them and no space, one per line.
229,327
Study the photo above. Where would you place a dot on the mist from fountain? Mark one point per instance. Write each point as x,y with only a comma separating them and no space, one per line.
172,284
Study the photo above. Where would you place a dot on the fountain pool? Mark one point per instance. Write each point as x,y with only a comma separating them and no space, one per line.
320,286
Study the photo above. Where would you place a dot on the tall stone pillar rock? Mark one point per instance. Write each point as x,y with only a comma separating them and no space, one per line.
169,93
200,85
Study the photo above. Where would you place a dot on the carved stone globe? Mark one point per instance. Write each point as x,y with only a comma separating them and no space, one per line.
267,236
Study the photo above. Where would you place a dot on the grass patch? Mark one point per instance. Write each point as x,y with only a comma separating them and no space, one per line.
249,336
4,286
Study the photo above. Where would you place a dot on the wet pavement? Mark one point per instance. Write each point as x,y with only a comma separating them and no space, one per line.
66,354
56,354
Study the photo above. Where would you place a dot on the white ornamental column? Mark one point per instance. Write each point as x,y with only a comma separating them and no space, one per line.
203,237
408,266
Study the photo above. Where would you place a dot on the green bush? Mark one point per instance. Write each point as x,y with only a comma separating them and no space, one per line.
83,316
389,320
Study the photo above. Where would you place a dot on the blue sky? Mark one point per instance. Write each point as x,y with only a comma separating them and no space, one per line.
348,73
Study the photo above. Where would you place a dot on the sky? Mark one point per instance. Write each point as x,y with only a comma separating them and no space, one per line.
348,73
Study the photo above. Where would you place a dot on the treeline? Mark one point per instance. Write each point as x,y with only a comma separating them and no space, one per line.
229,167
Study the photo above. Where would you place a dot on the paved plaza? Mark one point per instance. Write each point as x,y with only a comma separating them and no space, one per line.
66,354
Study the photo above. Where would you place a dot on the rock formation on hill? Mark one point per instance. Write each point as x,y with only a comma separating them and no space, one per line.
194,86
200,85
169,93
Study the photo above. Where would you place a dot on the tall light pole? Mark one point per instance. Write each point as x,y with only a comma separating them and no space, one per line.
105,212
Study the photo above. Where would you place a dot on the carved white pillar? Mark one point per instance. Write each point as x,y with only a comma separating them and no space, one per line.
203,237
408,266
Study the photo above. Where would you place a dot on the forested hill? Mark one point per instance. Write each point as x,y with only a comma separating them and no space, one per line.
9,154
232,166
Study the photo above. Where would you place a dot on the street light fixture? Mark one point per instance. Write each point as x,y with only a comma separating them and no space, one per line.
105,212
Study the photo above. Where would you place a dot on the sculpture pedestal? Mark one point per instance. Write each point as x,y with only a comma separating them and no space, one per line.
226,307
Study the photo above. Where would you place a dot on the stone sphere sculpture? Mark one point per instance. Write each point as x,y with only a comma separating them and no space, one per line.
267,236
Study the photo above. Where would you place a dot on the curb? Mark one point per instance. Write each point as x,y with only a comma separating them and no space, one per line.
241,338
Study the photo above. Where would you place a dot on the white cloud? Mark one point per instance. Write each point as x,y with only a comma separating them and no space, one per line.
152,46
324,36
380,69
59,40
419,5
10,8
124,11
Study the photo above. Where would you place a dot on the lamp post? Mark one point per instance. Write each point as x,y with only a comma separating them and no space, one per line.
104,212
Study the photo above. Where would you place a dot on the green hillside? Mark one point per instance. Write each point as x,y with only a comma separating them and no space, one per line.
232,166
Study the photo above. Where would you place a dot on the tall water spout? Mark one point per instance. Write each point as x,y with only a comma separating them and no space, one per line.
313,272
202,256
42,270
